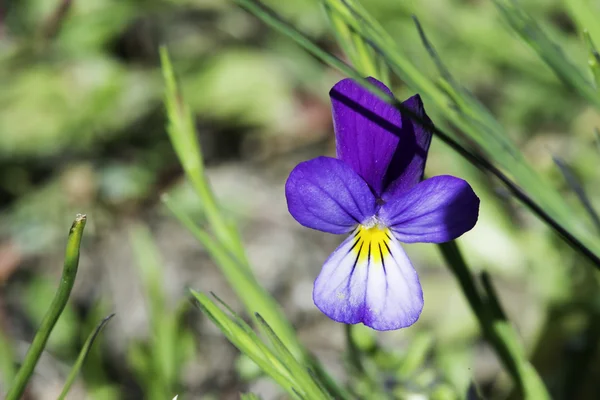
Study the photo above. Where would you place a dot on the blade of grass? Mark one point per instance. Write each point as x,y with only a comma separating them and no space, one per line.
593,59
242,337
182,133
56,308
527,27
497,330
82,356
578,190
585,17
164,323
227,249
299,372
7,361
253,295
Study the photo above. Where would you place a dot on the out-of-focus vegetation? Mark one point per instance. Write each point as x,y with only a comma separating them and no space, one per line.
82,129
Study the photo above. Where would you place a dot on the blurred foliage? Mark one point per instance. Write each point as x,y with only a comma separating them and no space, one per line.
82,129
158,363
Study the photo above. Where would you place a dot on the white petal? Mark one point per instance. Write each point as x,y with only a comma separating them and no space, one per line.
369,279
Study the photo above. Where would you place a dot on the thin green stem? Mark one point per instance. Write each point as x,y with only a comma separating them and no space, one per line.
496,329
56,308
87,346
353,351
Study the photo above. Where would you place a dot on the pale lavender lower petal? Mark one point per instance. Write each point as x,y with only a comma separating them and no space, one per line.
394,294
437,210
327,195
369,279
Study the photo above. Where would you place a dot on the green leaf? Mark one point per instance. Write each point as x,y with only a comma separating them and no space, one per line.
586,16
527,27
297,370
242,337
593,58
82,356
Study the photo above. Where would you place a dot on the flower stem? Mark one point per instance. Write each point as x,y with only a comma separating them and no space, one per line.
353,352
496,328
58,304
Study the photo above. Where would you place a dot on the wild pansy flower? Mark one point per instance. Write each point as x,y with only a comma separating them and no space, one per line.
375,191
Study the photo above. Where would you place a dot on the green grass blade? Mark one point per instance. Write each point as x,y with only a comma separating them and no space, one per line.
252,294
56,308
242,337
586,17
497,330
312,389
7,361
578,190
227,249
164,324
82,356
182,133
526,27
593,59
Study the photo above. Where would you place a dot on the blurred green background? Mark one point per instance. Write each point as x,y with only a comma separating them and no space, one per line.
82,130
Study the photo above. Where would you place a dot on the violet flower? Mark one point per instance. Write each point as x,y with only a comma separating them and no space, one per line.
375,191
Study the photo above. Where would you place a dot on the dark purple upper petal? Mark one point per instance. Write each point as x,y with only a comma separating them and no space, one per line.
436,210
408,163
326,194
367,130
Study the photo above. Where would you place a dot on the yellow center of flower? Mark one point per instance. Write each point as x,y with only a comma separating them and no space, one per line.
372,244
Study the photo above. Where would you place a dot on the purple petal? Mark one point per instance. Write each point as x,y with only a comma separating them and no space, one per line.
408,163
366,130
437,210
369,279
326,194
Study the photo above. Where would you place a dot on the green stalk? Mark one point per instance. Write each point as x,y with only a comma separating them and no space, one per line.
354,353
495,327
56,308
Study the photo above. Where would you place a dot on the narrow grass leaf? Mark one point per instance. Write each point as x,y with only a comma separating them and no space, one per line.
82,356
578,190
496,329
593,58
528,29
586,17
294,367
7,361
235,329
182,133
252,294
227,250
